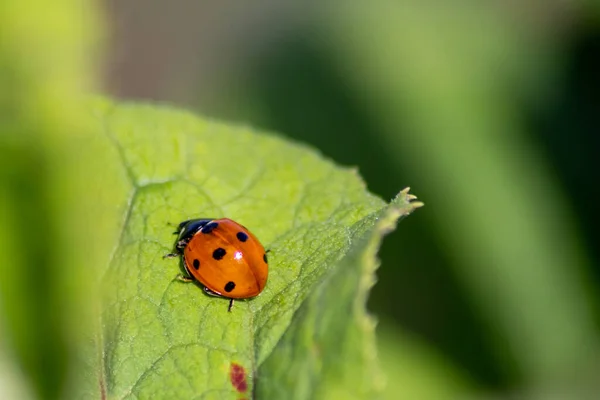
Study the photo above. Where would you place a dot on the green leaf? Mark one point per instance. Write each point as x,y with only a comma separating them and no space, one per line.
160,338
327,351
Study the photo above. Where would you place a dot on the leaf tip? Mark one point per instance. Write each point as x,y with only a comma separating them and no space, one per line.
417,204
407,201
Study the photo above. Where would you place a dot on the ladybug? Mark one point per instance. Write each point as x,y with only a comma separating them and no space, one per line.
224,256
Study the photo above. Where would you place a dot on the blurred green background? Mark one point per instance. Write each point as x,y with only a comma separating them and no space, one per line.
490,112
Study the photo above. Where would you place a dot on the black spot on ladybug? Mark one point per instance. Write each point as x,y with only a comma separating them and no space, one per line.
196,263
242,237
265,258
229,286
208,228
219,253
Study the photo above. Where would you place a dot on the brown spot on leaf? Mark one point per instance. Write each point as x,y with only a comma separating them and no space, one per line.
238,377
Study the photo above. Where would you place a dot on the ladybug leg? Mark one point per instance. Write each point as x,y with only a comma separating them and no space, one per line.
176,253
181,244
178,249
210,292
185,279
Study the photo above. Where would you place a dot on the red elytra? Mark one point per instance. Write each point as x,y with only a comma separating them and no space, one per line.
224,256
